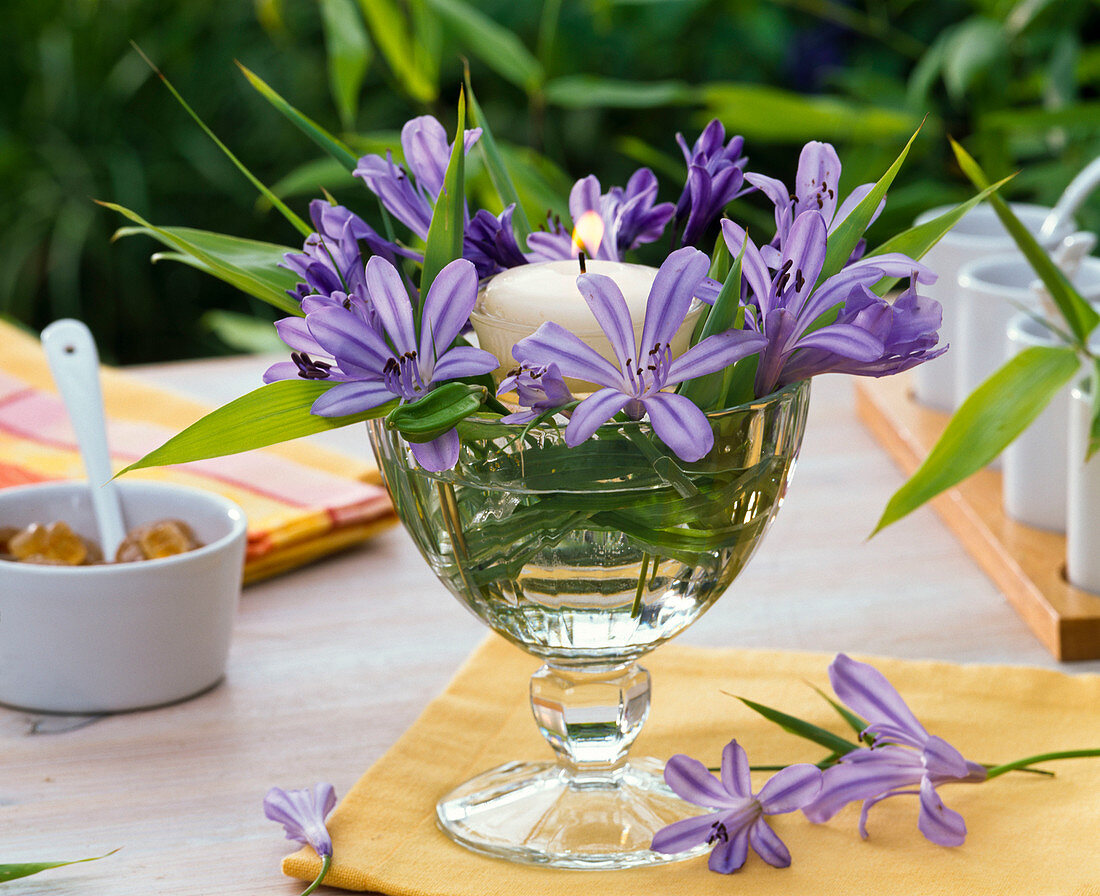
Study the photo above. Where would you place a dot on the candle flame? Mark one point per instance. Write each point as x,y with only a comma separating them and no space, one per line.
588,234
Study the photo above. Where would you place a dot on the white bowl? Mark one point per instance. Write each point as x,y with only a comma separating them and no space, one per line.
120,636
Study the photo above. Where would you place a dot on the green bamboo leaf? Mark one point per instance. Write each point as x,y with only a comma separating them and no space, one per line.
493,44
334,147
248,265
310,178
592,92
854,722
917,240
243,332
726,313
266,416
389,28
760,112
494,164
1079,315
349,54
847,234
445,233
26,869
293,218
995,413
802,728
437,412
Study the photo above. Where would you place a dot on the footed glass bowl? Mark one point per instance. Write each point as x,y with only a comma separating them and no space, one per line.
589,557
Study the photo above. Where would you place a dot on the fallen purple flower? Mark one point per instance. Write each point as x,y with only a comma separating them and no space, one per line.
740,819
302,814
635,385
903,758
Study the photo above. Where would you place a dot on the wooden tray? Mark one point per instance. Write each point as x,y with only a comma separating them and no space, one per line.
1027,564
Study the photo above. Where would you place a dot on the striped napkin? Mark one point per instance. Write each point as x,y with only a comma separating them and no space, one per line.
302,502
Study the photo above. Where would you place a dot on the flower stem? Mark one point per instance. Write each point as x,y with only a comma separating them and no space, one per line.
326,861
1042,757
636,610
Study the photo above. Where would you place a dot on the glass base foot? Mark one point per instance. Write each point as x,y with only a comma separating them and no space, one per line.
539,813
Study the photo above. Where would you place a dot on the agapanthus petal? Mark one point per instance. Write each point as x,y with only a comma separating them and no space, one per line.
671,294
606,301
844,339
938,823
865,690
439,454
766,844
713,354
805,249
682,835
345,337
817,178
680,424
391,302
447,307
730,855
351,398
851,782
753,268
592,413
943,760
295,333
463,360
790,789
690,780
553,344
735,770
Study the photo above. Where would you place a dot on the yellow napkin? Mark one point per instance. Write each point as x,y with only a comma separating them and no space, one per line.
301,502
1028,835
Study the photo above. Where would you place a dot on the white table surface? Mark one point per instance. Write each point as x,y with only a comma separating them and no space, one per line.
331,663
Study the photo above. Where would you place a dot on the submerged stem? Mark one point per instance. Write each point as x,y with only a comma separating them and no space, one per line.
636,609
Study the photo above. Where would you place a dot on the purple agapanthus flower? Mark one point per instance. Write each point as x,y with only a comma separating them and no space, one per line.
740,819
816,184
636,385
302,814
903,758
490,242
715,178
332,259
539,389
371,351
629,216
785,308
412,200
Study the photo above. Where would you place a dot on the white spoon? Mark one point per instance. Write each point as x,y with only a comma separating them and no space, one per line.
74,363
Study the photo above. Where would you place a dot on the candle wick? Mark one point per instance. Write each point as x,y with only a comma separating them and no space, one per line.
580,261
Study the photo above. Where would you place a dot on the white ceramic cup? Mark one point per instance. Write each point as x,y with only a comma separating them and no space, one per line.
992,291
1036,464
119,636
1082,498
977,234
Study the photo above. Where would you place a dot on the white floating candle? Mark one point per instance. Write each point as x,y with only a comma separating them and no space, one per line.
516,302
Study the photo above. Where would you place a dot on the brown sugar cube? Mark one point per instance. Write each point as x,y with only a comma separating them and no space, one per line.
164,538
54,544
6,533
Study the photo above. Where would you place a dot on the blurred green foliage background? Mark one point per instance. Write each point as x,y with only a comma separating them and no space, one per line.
570,87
